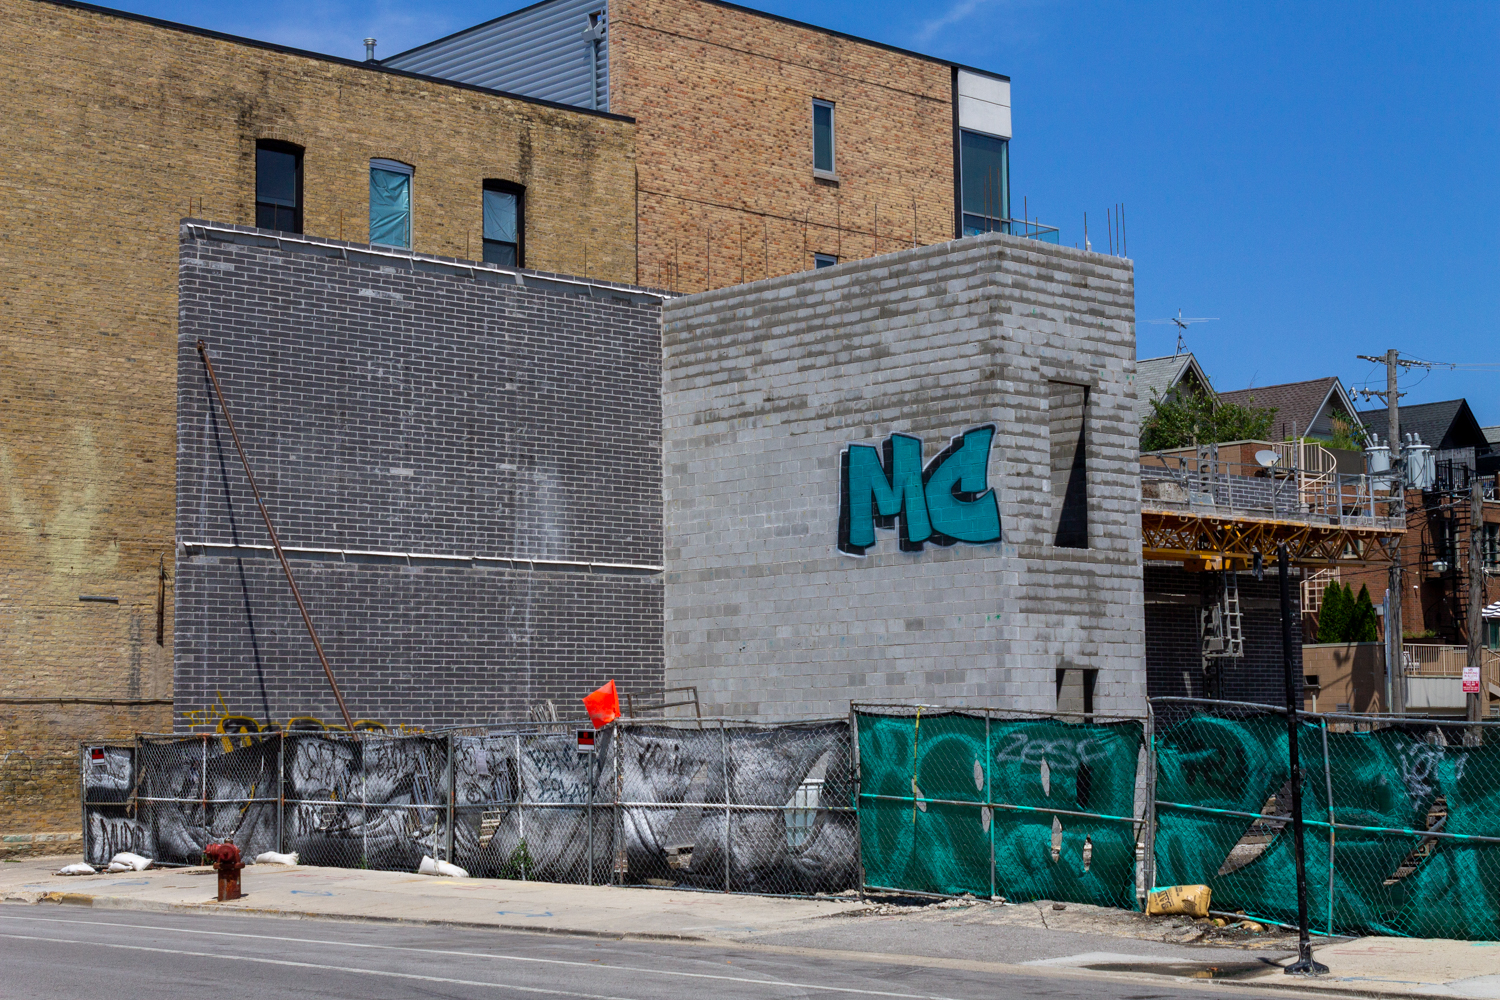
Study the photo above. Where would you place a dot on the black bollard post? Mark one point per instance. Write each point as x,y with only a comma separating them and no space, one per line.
1304,966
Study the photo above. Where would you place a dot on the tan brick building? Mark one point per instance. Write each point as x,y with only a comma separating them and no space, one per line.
766,146
116,127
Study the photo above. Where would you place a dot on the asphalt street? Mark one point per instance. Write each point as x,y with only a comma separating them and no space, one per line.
56,952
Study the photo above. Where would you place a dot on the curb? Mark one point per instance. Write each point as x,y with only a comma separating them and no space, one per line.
126,903
1281,984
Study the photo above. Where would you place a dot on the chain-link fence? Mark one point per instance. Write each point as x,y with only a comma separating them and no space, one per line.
709,804
995,803
1401,817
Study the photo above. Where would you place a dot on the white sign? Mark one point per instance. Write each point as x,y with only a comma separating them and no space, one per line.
1471,680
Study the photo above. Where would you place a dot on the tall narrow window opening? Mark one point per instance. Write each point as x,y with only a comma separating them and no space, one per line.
985,169
1067,419
504,223
390,203
823,138
278,186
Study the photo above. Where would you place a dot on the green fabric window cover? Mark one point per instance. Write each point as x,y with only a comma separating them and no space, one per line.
390,203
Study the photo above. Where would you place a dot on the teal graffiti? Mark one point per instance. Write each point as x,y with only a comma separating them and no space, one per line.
946,502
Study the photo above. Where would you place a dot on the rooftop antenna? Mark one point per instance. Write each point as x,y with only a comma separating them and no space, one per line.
1182,323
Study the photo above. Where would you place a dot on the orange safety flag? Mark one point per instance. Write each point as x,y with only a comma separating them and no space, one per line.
603,705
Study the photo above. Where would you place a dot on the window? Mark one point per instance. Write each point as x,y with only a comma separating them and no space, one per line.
823,138
1067,408
390,203
821,260
1490,545
984,165
504,216
278,186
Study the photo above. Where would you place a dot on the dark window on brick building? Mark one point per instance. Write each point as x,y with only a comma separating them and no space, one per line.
1067,419
504,223
278,186
824,260
984,166
823,137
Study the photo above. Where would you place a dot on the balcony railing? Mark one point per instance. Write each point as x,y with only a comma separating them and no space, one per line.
1208,485
1422,659
1029,228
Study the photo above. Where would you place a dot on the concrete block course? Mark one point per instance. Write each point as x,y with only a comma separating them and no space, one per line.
766,384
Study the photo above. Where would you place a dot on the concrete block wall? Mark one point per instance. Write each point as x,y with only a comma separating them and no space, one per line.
470,466
766,384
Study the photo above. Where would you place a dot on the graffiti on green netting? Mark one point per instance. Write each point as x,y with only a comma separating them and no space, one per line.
948,501
948,805
1377,873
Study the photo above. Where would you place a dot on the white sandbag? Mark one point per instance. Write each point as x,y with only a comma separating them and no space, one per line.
133,862
432,867
77,869
276,858
116,867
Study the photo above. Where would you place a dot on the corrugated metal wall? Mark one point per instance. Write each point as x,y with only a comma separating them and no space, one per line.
542,51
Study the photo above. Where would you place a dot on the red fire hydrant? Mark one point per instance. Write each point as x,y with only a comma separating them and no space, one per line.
226,859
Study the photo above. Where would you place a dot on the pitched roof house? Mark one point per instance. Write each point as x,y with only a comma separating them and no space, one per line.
1449,427
1305,409
1156,378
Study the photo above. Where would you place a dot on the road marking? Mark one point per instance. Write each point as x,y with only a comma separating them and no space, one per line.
466,954
314,965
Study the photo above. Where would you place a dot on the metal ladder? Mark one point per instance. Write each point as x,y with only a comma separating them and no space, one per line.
1222,625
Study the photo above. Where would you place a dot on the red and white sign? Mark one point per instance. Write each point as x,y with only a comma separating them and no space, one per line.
585,741
1471,680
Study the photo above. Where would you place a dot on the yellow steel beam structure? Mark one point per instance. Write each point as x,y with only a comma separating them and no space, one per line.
1213,542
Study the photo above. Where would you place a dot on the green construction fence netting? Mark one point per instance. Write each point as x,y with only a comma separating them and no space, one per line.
1024,808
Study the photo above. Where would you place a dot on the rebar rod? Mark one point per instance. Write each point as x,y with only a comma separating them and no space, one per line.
286,567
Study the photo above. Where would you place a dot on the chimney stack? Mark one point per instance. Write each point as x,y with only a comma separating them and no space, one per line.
369,50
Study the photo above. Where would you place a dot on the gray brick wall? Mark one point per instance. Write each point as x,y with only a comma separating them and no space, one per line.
478,461
766,384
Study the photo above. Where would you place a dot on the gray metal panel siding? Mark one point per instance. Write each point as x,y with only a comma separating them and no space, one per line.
539,52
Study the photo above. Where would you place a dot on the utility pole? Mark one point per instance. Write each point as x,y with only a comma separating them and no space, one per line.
1474,702
1393,365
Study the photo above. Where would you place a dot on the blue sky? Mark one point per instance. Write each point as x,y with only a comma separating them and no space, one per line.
1323,177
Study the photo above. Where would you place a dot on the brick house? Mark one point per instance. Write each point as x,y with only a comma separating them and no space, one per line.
765,146
118,126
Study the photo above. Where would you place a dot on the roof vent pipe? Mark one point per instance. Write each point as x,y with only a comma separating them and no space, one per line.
369,50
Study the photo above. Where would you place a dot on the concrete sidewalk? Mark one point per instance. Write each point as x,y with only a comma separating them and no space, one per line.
1057,939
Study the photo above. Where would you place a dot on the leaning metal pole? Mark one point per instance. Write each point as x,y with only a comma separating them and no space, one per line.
275,542
1304,966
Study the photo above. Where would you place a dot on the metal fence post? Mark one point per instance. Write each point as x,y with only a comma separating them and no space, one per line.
1332,831
280,792
203,787
1149,857
83,796
728,815
364,804
618,845
452,789
521,805
989,798
859,843
592,759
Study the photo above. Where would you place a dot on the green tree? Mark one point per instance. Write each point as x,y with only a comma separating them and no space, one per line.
1364,623
1347,435
1187,418
1333,617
